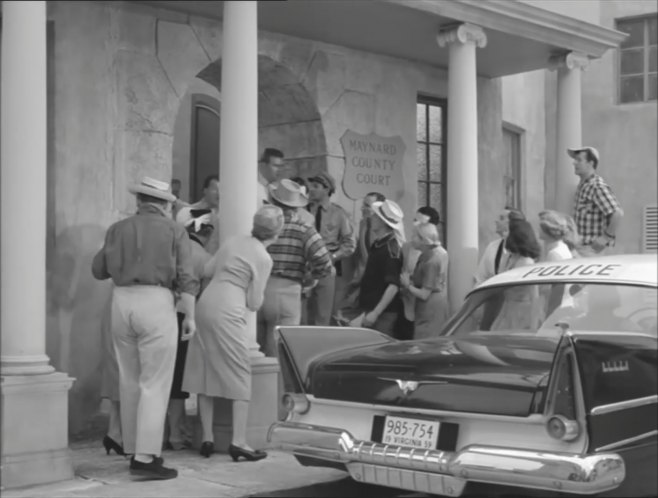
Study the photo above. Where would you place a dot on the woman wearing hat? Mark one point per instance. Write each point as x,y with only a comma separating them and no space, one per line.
200,229
218,358
378,296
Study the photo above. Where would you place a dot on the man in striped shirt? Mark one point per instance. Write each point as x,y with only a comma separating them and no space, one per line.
597,212
299,246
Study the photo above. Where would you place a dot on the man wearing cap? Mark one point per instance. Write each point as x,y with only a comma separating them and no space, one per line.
334,225
597,212
379,297
269,168
148,257
298,245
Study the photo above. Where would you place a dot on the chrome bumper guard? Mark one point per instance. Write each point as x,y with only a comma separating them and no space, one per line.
445,472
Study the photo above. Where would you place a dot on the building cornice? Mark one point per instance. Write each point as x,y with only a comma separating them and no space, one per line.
524,20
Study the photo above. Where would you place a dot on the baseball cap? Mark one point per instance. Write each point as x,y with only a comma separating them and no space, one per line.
574,152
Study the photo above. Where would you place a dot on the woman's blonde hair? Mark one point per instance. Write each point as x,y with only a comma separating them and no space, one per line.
427,233
554,224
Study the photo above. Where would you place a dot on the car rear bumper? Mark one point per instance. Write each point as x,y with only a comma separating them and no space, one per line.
446,473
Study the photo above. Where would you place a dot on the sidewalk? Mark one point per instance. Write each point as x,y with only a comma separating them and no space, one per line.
99,475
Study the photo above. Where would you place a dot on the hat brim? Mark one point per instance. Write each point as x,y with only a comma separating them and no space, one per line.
158,194
573,153
394,225
272,190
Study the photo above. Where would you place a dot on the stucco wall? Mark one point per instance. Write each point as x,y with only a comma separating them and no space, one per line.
625,134
523,106
122,73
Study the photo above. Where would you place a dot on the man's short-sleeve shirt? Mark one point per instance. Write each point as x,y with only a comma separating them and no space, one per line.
594,204
383,268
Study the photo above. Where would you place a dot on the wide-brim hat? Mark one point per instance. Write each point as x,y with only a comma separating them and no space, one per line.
389,212
573,153
288,193
154,188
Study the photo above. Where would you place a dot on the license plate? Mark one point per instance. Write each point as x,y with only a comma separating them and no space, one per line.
415,433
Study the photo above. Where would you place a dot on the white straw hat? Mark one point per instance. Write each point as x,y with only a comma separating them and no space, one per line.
154,188
389,212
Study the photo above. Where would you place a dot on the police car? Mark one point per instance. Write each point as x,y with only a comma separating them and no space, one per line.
544,380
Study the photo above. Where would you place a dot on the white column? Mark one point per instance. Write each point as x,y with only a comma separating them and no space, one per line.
569,125
462,191
23,170
239,130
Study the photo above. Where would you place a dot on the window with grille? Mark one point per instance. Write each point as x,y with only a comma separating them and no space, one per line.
638,59
512,173
431,157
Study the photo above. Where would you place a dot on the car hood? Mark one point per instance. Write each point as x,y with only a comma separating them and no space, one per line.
497,374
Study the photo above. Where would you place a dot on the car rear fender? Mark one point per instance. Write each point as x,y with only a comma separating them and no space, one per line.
619,376
299,346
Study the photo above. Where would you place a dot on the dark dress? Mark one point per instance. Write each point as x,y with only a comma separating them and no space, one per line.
199,258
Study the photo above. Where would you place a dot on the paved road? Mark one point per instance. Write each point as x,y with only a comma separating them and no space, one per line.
348,488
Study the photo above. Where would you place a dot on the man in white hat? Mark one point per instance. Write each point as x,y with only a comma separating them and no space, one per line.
379,297
147,256
597,212
298,245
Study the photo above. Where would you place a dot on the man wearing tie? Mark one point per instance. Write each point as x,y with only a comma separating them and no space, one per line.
333,223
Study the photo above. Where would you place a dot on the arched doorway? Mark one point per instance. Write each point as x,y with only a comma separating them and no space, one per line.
288,119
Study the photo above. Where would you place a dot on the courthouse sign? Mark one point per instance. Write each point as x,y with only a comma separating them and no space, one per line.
372,164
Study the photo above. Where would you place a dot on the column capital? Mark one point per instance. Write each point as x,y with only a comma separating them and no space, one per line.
462,33
570,60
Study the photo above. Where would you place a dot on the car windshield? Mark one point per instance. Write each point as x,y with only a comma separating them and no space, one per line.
550,309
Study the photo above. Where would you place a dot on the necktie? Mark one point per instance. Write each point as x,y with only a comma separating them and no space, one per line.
318,218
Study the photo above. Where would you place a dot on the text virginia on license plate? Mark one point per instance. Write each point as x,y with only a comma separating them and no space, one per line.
411,432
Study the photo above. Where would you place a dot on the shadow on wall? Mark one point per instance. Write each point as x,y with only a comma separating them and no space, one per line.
75,304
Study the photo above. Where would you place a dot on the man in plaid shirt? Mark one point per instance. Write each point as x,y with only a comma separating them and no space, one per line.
299,246
597,212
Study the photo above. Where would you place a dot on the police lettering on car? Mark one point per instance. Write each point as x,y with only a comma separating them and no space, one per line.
571,270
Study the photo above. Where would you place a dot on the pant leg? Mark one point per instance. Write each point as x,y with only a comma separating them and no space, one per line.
281,306
125,347
322,300
156,327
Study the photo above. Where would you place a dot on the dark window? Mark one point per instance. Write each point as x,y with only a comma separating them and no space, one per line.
512,175
431,156
638,59
204,145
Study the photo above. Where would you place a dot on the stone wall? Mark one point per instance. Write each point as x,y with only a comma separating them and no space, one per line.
123,76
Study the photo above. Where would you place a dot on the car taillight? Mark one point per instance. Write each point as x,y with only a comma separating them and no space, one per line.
562,428
295,403
562,423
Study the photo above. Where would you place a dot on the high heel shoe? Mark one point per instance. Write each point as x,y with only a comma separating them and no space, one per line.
207,449
252,456
111,444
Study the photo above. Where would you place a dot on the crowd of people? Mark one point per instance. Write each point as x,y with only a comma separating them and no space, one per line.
170,272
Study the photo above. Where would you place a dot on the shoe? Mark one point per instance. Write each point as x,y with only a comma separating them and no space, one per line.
152,470
111,444
207,448
252,456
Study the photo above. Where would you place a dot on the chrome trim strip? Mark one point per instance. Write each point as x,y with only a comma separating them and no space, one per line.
533,419
630,440
557,471
623,405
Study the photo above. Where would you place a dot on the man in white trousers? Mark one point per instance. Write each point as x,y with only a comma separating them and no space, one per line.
148,257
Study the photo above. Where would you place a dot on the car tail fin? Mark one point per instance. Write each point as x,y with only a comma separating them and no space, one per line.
300,346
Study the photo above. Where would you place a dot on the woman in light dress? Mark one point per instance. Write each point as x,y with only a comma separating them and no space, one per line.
218,363
428,283
519,309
